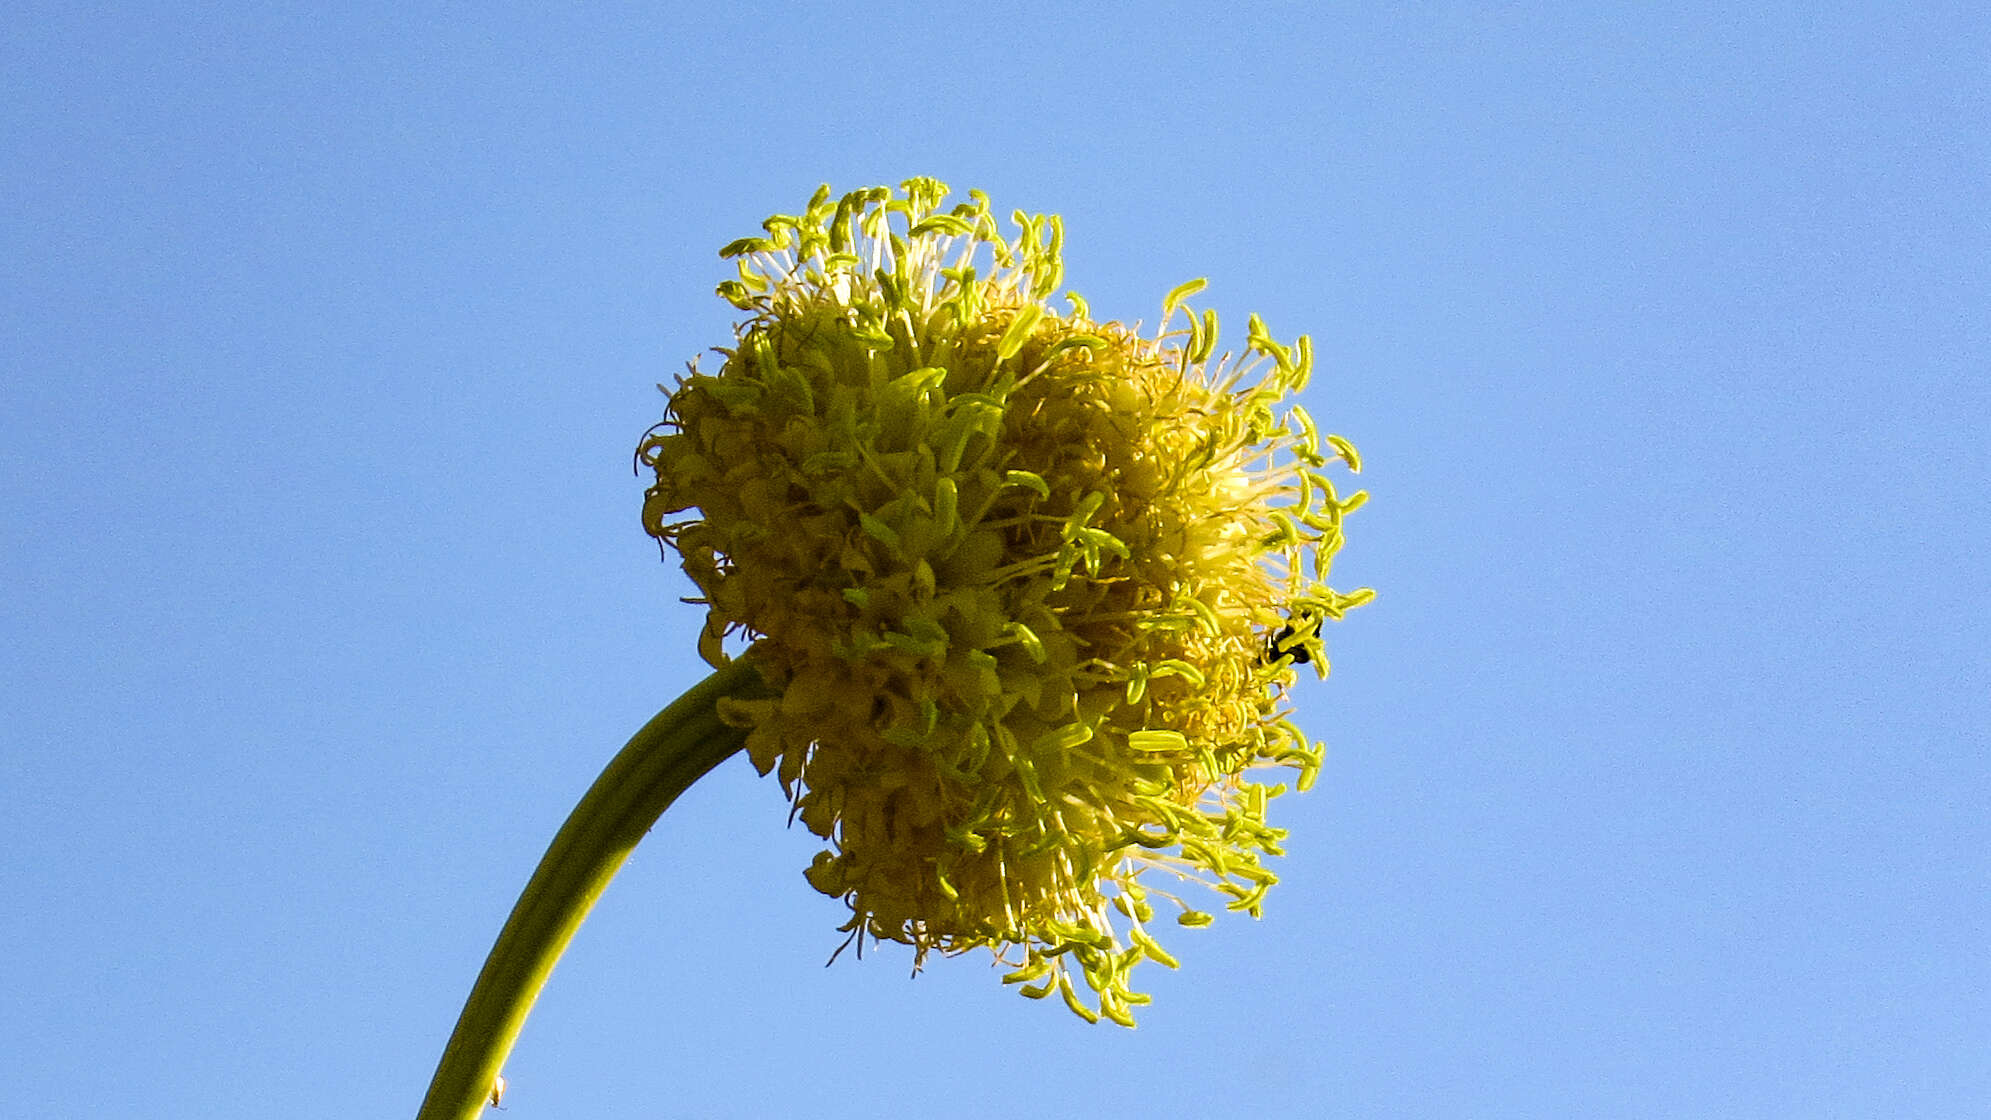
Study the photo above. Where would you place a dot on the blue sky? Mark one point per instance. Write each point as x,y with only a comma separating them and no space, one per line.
1657,782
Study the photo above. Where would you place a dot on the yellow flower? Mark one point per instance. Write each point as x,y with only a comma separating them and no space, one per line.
1030,587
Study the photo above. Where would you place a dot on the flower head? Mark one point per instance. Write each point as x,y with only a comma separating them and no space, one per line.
1030,588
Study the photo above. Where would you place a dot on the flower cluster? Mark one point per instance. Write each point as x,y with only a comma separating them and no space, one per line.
1029,588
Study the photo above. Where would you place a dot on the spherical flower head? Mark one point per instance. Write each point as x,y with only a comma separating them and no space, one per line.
1030,588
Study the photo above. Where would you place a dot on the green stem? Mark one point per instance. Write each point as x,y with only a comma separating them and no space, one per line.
673,750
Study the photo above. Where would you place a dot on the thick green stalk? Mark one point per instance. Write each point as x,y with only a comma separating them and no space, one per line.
673,750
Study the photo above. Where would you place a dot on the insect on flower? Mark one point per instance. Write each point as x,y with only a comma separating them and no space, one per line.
1289,641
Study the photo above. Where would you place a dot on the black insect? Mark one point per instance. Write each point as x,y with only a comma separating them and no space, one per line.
1303,625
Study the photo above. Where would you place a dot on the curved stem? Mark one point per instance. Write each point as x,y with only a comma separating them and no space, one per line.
676,748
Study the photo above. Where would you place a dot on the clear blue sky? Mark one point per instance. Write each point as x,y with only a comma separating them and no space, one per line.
1658,782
